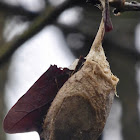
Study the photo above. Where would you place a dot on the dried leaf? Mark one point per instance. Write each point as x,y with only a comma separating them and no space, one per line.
28,113
104,6
106,16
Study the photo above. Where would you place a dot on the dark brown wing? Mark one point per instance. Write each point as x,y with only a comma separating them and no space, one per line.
28,113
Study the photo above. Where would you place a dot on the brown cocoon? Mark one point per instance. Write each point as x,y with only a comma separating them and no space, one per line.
81,107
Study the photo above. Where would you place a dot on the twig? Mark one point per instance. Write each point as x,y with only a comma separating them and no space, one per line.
121,6
17,10
131,6
47,17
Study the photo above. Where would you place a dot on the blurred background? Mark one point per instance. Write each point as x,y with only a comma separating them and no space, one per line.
37,33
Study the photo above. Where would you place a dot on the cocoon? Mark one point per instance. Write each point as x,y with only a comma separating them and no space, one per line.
81,107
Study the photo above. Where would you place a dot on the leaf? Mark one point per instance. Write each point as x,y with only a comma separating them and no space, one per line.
28,113
106,17
104,6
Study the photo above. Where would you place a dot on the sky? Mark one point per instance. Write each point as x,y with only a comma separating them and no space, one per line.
33,5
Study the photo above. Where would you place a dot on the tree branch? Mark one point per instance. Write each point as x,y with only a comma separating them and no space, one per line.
121,6
17,10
